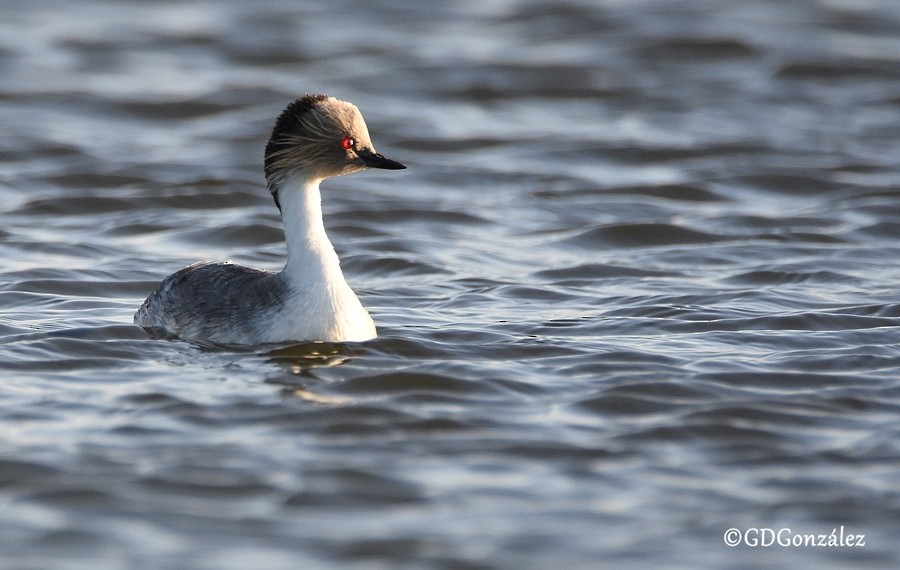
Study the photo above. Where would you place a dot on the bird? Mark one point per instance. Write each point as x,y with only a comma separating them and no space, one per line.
316,137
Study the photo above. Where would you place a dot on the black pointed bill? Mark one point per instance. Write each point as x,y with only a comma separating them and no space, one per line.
375,160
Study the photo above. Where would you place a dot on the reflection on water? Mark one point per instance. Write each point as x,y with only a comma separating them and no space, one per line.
299,358
636,288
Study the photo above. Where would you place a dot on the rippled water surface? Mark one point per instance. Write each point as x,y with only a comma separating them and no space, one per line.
638,286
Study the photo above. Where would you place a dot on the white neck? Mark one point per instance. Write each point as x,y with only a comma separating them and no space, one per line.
323,307
308,247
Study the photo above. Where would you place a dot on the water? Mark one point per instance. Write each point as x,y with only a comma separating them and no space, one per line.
637,287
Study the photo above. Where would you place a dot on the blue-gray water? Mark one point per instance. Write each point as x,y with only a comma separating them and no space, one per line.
638,286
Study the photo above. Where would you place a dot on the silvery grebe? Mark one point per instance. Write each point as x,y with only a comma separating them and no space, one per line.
315,137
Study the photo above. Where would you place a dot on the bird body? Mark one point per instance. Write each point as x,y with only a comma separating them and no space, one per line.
316,137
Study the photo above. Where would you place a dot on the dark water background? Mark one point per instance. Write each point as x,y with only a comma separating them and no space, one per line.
639,285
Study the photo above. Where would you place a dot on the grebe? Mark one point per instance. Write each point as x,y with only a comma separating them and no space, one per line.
315,137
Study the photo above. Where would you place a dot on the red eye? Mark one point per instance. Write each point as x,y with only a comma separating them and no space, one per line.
347,143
